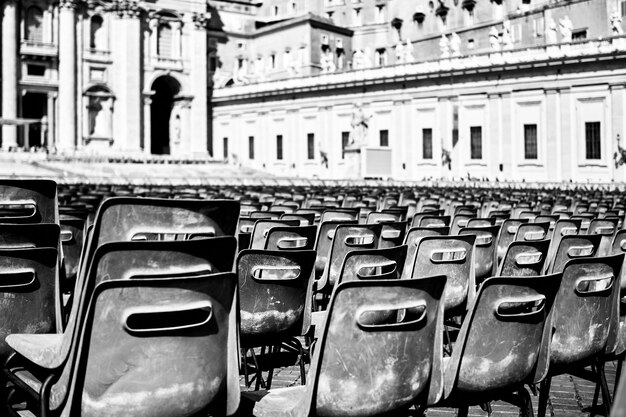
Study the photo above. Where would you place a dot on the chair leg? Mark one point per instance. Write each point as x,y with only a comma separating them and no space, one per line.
463,411
526,404
544,394
618,373
606,393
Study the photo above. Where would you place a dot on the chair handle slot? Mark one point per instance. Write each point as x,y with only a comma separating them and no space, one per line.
275,273
448,255
524,259
520,306
512,229
568,231
246,228
391,317
483,240
594,284
622,245
381,270
66,236
359,240
292,242
158,319
604,230
390,234
14,280
534,235
580,251
18,209
463,223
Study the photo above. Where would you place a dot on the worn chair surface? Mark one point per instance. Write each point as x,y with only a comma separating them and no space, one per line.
485,251
508,231
28,201
392,368
262,227
383,263
305,219
529,232
524,258
574,247
340,214
459,221
434,221
607,228
417,217
25,236
392,234
412,239
274,294
291,238
562,227
324,241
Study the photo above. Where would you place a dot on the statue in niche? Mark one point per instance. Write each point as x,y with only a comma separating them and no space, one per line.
367,61
99,109
444,46
455,44
616,24
494,39
399,48
507,39
360,126
620,156
551,31
357,60
566,27
176,127
408,52
327,62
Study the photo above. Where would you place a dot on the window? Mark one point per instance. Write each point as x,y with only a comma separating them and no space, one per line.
538,27
273,61
279,147
96,40
471,44
225,142
345,140
476,142
623,7
310,145
592,140
164,40
209,145
212,62
427,143
579,35
251,147
34,24
381,57
36,70
384,137
530,141
380,13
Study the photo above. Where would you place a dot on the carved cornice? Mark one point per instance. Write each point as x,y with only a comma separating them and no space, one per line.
201,20
69,4
126,8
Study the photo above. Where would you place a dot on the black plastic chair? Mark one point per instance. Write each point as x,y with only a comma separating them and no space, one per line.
28,201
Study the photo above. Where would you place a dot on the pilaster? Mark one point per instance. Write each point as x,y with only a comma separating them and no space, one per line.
67,75
9,71
199,81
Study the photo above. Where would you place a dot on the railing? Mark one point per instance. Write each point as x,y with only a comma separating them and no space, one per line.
29,47
462,62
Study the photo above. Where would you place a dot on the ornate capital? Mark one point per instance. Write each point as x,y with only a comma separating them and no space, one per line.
126,8
201,20
69,4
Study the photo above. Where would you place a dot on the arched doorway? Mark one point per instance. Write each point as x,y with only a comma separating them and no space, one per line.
165,89
34,106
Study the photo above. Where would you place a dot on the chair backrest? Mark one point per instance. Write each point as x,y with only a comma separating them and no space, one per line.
481,222
619,246
195,318
452,256
262,228
28,201
413,237
529,232
507,234
305,219
370,264
376,217
586,316
266,214
347,238
28,292
372,379
72,240
434,221
607,228
562,227
574,247
291,238
619,404
274,294
524,259
485,263
459,221
505,337
392,234
324,241
417,217
339,214
25,236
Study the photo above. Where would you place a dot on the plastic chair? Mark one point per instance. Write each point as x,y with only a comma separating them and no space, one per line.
524,259
417,217
481,222
607,228
347,238
50,357
72,240
28,201
485,251
533,231
503,344
262,227
371,264
392,234
585,322
412,239
27,236
291,238
339,214
275,301
195,317
397,363
562,227
452,256
305,219
434,221
324,241
574,247
508,231
619,405
376,217
459,221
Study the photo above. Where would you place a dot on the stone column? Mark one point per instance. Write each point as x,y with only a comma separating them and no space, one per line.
145,143
67,75
198,77
154,38
617,126
52,126
10,37
176,39
553,137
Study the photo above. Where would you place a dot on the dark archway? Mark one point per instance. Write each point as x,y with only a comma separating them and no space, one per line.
34,106
165,89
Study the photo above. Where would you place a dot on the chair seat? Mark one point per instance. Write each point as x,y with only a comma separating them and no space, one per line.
43,350
282,402
57,393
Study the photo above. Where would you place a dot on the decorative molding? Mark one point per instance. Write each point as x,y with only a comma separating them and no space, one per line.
69,4
126,8
201,20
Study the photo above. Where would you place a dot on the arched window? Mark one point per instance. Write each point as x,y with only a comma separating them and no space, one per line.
164,44
34,24
96,36
99,112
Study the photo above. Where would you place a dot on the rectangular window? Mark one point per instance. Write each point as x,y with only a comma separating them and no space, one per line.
209,145
384,137
530,141
36,70
476,142
623,4
345,140
251,147
225,148
592,140
310,145
579,35
279,147
427,143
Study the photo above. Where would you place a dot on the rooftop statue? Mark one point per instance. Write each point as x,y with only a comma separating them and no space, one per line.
494,39
507,39
360,126
566,26
444,46
399,49
551,31
455,44
408,52
616,24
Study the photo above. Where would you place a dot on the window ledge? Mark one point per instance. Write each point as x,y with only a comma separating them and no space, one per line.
427,162
593,164
531,165
477,163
